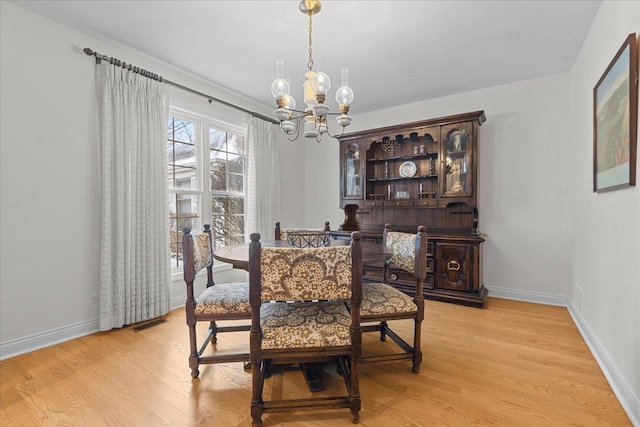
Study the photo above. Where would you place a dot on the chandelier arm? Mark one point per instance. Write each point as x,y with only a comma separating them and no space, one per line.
297,119
335,136
302,113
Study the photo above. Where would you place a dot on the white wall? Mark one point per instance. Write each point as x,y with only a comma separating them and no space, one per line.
50,176
605,232
292,181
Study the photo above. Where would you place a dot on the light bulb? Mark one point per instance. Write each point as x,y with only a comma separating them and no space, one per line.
321,81
289,102
344,94
280,86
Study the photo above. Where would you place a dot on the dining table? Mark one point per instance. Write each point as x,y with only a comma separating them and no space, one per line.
238,256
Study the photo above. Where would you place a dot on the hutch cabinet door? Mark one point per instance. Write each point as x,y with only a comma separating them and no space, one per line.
457,160
454,267
352,167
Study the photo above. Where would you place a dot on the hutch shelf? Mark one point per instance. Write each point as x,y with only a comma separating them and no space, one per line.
421,173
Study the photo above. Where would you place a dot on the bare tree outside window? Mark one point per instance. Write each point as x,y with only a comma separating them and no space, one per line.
227,187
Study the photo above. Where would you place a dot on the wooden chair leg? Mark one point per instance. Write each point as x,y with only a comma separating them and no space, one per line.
417,353
257,380
194,358
383,331
214,332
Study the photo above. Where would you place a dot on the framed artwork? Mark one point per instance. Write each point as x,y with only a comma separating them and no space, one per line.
615,121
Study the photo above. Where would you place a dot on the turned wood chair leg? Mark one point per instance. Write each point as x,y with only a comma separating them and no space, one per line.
383,331
214,332
194,358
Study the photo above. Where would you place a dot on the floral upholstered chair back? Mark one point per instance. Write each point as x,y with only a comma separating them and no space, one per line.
295,274
402,248
197,252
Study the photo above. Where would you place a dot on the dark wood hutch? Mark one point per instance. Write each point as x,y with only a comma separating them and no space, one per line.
421,173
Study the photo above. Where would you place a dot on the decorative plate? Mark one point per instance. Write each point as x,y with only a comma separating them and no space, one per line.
408,169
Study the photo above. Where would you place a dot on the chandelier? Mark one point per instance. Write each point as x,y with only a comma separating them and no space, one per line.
313,119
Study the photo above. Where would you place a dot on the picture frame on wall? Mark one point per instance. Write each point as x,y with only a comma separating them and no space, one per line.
615,121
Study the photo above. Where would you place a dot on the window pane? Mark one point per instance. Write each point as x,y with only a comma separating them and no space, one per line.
184,153
236,225
217,139
227,213
182,130
181,153
236,163
236,144
183,212
219,175
182,177
236,205
236,183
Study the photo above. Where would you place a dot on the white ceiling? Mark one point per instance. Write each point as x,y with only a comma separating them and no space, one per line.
397,52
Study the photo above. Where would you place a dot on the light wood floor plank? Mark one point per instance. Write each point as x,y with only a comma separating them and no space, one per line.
508,364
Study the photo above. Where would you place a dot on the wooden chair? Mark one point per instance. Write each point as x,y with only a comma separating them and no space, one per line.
221,302
382,303
312,325
281,233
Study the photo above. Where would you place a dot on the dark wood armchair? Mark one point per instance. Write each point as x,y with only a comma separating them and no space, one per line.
299,316
383,303
217,303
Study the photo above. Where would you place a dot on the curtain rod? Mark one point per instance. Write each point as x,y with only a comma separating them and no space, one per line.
99,57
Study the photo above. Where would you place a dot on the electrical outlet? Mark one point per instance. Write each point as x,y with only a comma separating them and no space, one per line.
577,300
95,298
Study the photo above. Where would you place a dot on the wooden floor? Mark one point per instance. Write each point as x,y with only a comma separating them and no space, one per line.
509,364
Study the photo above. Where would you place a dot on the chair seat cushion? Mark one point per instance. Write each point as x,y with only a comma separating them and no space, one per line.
224,298
305,324
380,298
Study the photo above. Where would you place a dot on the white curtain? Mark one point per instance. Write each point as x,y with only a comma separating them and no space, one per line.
134,269
263,179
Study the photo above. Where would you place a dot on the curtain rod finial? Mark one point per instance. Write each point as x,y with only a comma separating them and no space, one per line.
88,51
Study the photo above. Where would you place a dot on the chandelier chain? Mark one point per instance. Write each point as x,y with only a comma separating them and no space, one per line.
310,63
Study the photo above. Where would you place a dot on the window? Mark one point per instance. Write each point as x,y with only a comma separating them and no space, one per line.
206,172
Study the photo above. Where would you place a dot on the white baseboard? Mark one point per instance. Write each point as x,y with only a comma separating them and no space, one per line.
45,339
629,401
527,296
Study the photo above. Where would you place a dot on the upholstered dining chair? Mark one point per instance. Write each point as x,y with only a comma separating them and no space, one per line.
303,237
217,303
298,315
382,303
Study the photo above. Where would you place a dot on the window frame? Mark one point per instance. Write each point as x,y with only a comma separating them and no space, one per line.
202,188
